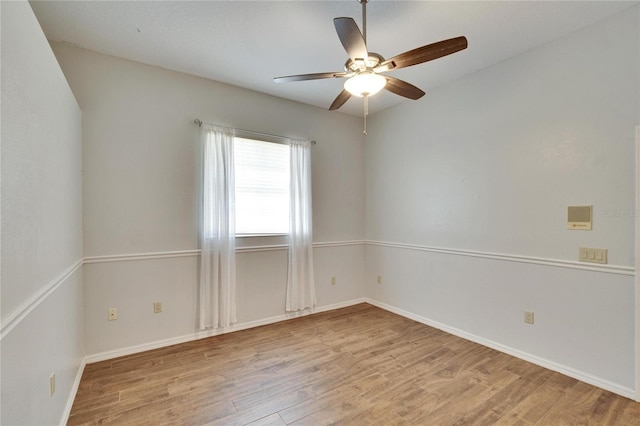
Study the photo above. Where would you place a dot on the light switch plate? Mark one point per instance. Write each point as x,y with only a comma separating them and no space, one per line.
592,255
528,317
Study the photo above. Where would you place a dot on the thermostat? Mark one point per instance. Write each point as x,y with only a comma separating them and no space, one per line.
579,217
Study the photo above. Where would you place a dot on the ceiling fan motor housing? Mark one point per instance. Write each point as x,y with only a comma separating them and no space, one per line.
354,66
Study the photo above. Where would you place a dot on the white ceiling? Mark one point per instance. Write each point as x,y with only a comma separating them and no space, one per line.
246,43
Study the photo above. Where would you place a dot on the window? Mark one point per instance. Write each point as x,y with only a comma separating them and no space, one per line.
261,187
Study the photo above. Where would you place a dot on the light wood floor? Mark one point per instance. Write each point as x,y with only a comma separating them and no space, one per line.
356,366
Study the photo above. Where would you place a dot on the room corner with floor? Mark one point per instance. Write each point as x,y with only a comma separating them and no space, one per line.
444,267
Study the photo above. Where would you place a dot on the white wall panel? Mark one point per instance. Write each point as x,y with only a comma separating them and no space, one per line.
48,340
132,285
347,265
584,320
141,152
492,161
41,162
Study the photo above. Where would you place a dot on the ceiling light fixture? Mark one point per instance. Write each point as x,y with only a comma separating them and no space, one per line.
366,83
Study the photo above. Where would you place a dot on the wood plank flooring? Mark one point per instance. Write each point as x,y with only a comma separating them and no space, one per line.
359,365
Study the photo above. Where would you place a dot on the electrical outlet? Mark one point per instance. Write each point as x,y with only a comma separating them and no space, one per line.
333,280
113,314
157,307
52,384
528,317
379,279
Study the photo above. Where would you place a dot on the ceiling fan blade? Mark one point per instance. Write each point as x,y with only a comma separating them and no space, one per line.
351,38
425,53
340,100
403,88
316,76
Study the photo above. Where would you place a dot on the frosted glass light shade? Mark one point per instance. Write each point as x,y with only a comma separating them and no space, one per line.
365,84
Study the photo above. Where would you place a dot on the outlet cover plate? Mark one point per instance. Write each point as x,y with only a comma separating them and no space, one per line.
112,314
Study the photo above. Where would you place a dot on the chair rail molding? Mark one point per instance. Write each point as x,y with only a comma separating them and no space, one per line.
14,318
611,269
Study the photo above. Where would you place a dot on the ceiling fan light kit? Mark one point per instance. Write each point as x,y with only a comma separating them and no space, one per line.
363,68
366,83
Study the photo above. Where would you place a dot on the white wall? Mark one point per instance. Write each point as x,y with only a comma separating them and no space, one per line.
141,162
489,165
42,331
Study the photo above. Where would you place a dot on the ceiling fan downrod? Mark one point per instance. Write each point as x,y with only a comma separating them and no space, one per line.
364,19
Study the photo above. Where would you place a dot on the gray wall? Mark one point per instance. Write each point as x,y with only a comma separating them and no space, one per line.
467,195
141,166
42,303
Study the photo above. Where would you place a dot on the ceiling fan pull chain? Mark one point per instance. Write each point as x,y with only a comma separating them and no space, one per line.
366,112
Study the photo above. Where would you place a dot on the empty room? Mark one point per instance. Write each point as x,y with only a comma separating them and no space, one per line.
320,212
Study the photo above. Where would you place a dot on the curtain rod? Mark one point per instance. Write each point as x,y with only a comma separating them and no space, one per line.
200,123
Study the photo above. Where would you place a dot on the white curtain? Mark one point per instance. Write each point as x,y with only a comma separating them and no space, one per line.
301,291
217,234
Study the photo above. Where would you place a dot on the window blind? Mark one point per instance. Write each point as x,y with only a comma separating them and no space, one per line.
262,187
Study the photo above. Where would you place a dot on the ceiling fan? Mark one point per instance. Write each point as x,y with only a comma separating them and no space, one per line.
363,68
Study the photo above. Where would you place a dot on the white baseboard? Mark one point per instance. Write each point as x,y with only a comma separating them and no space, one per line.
73,393
102,356
567,371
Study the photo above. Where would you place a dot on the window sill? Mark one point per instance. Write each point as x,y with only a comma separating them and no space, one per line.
260,235
259,240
